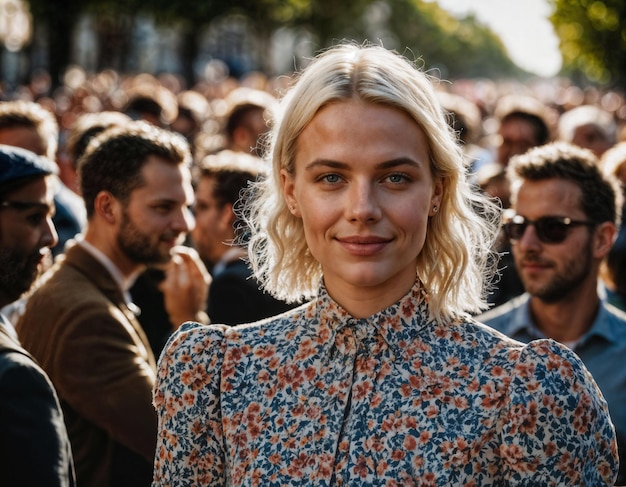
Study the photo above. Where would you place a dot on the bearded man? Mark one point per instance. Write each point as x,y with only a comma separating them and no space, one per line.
81,325
562,225
34,445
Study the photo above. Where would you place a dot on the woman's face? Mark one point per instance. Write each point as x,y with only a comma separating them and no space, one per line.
363,188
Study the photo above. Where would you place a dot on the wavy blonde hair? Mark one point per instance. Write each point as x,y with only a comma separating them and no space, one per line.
457,255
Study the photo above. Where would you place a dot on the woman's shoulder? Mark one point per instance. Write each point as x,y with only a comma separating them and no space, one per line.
271,328
553,397
558,366
544,356
196,338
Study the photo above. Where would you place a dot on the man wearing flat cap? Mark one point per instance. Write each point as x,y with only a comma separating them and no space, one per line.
34,445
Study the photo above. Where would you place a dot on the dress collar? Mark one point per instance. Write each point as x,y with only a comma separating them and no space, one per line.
398,324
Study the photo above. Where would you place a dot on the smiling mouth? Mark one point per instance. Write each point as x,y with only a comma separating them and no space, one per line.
363,246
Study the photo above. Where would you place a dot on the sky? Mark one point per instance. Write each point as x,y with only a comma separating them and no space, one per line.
522,25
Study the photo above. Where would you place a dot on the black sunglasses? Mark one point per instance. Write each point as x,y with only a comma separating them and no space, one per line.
549,229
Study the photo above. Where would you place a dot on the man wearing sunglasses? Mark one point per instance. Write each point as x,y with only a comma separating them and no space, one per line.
562,224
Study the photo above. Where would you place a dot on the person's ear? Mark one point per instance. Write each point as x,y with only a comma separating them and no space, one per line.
107,206
227,214
604,237
437,196
288,184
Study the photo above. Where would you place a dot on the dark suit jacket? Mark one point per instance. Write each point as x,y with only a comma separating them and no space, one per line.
84,336
235,297
34,447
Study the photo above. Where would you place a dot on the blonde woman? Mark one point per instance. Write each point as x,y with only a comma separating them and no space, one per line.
381,378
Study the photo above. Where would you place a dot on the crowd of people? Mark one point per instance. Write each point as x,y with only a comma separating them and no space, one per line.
352,276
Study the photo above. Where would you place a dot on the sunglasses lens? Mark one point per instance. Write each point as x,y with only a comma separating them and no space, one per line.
551,230
514,231
548,229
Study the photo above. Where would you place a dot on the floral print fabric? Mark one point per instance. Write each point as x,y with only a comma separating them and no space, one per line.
316,397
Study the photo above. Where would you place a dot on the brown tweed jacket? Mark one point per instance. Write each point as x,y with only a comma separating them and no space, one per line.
94,350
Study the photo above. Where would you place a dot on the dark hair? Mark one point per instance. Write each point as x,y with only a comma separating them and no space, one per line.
233,173
143,104
601,194
239,117
114,159
539,125
87,127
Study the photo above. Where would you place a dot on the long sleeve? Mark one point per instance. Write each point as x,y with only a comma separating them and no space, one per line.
187,399
555,426
316,396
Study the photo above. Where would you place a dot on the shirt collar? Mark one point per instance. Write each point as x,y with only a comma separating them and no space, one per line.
603,325
124,283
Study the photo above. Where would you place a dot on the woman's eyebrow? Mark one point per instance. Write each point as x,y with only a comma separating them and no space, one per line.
326,163
400,161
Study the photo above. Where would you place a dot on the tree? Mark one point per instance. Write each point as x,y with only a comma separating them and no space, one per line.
58,19
592,36
458,48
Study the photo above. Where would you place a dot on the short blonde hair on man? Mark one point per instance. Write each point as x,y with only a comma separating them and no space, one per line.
457,255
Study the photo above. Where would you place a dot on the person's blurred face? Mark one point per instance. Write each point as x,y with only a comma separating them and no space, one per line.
516,137
247,137
590,137
364,191
157,216
24,137
552,271
26,235
214,223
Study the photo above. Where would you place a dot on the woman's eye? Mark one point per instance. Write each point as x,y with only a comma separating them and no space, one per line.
397,178
330,178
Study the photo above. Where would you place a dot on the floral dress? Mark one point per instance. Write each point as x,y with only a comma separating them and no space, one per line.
317,397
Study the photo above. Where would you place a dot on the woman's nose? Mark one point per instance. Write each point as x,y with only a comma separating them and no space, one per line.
363,204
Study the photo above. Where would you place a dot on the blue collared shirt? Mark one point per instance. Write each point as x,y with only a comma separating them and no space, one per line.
602,349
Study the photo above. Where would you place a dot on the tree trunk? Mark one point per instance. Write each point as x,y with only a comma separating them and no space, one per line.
60,31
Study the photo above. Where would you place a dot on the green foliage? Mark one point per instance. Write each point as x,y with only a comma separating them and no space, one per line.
592,36
458,47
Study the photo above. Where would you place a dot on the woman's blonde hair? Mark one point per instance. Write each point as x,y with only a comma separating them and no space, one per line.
457,254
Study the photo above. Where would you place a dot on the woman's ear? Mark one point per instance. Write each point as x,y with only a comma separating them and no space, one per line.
288,184
435,200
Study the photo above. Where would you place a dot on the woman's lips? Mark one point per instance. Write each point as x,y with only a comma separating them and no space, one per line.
363,245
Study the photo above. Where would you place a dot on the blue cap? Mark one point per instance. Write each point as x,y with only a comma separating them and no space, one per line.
18,163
